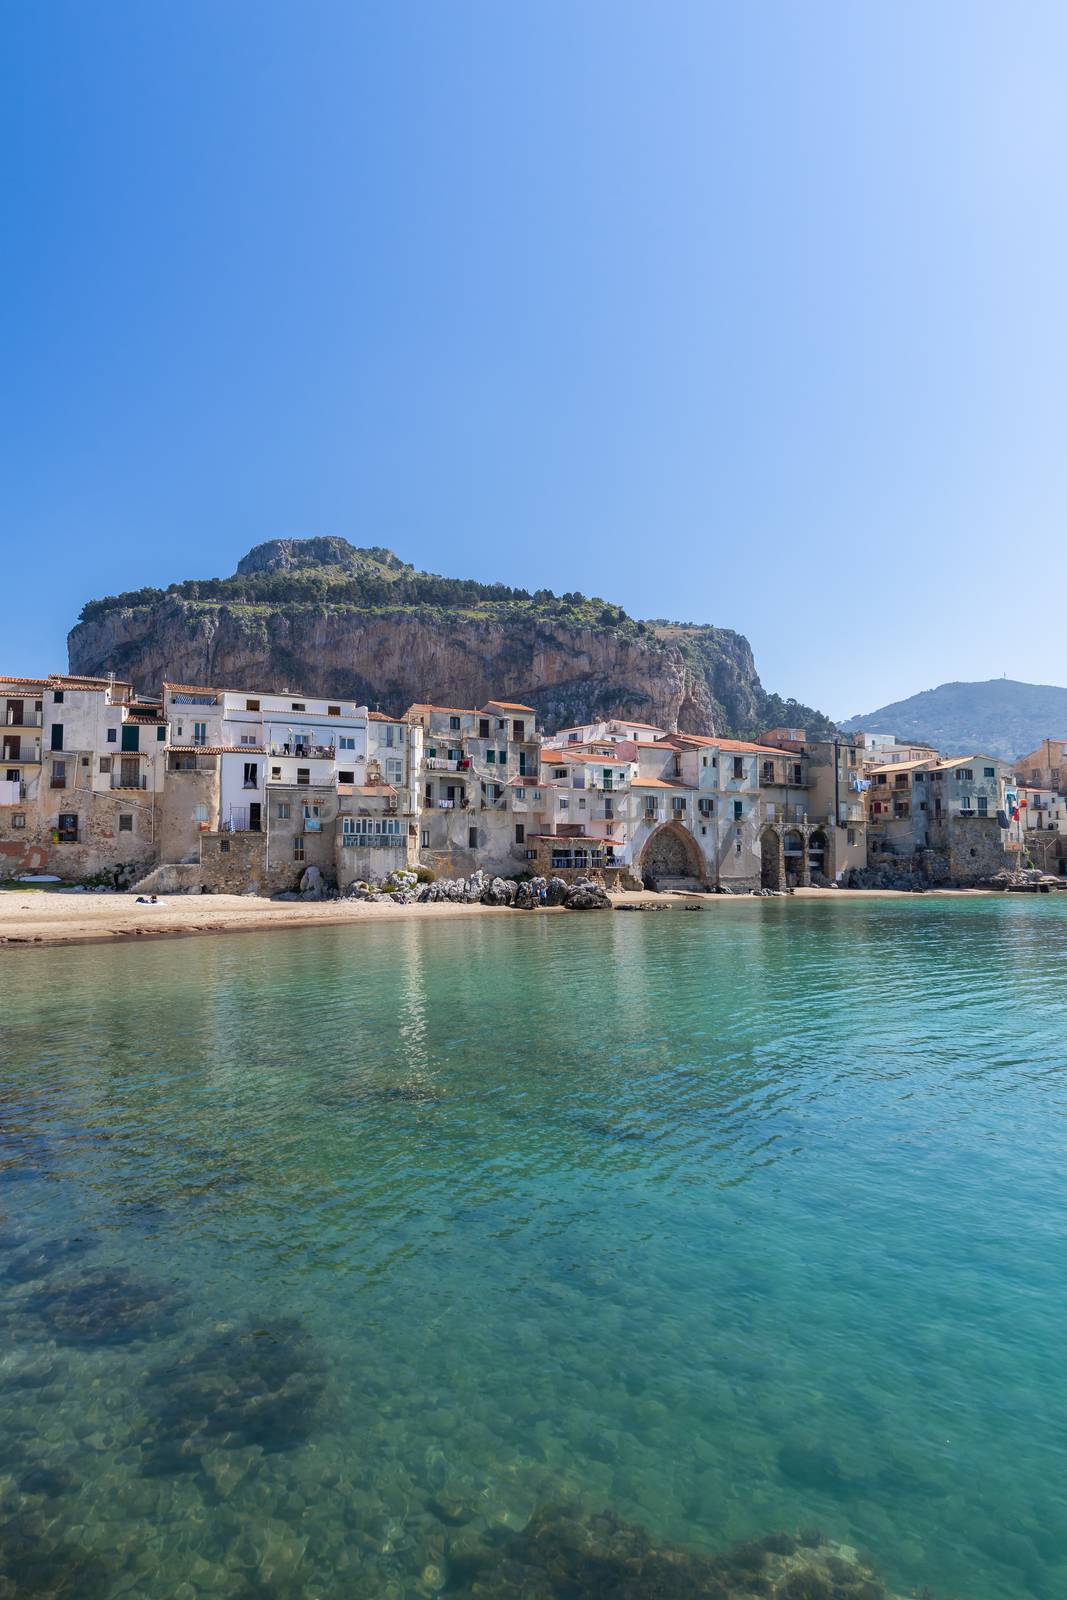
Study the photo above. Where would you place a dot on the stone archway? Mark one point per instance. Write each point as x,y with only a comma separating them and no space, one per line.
818,853
671,852
772,865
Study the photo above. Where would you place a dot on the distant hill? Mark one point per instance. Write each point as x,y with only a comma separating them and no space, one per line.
999,717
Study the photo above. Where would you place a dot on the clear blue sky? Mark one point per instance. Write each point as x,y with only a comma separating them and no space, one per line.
743,314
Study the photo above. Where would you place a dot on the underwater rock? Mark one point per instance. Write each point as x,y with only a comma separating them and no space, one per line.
815,1466
108,1308
248,1386
37,1261
561,1556
36,1566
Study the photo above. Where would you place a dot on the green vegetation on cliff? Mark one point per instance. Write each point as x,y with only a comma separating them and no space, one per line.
264,618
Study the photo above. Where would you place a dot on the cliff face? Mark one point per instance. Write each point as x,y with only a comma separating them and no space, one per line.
456,649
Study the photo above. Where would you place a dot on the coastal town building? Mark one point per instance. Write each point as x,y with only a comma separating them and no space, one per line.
480,795
1045,767
885,749
82,776
952,808
226,789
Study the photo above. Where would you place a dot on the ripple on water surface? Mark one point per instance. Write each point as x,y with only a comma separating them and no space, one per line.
544,1256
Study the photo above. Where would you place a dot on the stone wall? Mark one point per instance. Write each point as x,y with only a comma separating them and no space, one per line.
973,848
102,845
182,793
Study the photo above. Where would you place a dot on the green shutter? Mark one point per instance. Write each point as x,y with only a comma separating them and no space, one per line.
131,735
161,734
490,756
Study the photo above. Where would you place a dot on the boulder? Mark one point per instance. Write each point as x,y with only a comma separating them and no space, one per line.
556,891
501,892
584,895
311,884
475,886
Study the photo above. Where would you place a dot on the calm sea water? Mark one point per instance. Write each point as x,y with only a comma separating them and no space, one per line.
325,1251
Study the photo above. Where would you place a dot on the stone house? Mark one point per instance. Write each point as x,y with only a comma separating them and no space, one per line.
953,808
821,821
478,786
1043,768
82,776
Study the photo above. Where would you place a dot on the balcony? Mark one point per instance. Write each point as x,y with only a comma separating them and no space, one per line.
373,840
25,723
776,813
192,764
118,781
446,764
303,752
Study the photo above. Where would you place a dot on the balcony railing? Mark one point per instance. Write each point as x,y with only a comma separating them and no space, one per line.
305,752
120,782
34,720
192,764
446,764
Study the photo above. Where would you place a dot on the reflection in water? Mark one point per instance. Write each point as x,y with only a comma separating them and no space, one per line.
337,1263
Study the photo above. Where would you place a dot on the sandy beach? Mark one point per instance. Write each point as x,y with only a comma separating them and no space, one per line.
32,920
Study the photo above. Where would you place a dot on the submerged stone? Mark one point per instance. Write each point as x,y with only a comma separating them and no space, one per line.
252,1386
107,1308
38,1260
560,1556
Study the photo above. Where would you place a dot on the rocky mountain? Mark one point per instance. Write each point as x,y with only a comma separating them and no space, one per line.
1000,717
328,618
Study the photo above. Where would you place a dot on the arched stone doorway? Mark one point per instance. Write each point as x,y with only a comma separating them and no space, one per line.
818,853
772,867
793,857
669,853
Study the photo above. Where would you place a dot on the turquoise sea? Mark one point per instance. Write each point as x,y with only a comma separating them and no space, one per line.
325,1252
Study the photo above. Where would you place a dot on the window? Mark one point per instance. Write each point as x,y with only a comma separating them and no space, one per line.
18,819
650,805
200,733
346,777
983,805
453,723
520,833
520,793
564,803
347,741
68,827
425,839
251,779
303,774
707,807
57,736
798,772
989,772
224,847
920,777
59,774
298,845
275,772
559,772
126,823
58,697
490,756
394,770
112,735
472,838
105,764
739,810
85,761
768,772
502,757
703,761
161,734
251,705
581,803
739,767
537,794
284,811
964,774
298,705
200,813
851,836
333,711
